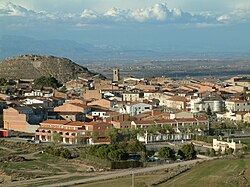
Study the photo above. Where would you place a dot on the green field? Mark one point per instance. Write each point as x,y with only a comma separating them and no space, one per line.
243,140
217,173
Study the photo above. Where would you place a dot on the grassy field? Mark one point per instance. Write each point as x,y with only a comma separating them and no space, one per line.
215,173
243,140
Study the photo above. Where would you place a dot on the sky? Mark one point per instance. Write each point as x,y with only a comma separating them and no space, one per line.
191,25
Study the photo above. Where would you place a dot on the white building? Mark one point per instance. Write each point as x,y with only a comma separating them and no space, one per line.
237,105
137,108
223,146
200,105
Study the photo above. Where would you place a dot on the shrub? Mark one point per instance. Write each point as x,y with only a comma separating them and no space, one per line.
65,153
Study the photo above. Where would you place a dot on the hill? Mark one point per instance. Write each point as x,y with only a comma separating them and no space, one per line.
35,66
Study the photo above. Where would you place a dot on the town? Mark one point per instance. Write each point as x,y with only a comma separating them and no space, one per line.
141,120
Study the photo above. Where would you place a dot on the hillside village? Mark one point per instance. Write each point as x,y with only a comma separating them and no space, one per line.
160,108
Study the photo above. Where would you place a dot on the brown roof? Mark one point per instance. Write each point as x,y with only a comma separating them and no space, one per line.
69,113
76,123
177,98
58,129
79,105
170,120
54,121
97,123
236,101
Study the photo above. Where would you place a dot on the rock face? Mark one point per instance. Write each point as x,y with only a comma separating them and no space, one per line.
35,66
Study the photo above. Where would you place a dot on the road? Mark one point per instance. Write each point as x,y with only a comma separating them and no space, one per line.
125,173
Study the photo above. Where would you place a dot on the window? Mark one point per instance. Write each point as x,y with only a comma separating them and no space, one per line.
146,108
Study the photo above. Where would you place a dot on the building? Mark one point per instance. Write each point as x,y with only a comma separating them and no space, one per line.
23,118
105,103
183,129
133,96
3,105
92,94
116,75
223,146
177,102
181,114
70,131
237,105
137,108
215,103
73,107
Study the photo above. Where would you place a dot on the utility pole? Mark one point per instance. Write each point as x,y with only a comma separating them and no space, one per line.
133,179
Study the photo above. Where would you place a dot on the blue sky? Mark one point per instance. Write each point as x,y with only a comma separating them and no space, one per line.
204,25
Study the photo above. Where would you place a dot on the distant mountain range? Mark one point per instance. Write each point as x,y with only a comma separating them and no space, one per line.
19,45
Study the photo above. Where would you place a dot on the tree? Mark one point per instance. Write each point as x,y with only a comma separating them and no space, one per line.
188,152
166,153
134,146
212,152
65,153
168,129
3,81
207,152
229,151
219,152
209,111
47,81
57,137
95,135
112,134
81,139
103,152
118,155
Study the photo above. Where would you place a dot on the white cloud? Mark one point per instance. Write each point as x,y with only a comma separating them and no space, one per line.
159,13
89,14
15,10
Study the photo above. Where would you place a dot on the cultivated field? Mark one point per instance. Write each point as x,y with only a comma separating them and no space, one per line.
217,173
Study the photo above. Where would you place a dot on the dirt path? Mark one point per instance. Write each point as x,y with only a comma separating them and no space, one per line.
8,149
125,173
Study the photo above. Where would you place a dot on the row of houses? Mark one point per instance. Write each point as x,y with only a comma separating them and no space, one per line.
131,103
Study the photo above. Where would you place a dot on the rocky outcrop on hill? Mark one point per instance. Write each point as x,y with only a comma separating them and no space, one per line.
35,66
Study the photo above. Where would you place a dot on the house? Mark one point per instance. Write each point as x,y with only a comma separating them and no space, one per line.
92,94
246,117
38,102
23,118
133,96
223,146
56,101
181,127
181,114
70,131
3,105
237,105
216,104
102,103
233,116
145,87
73,107
121,125
117,117
34,93
177,102
77,84
135,108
